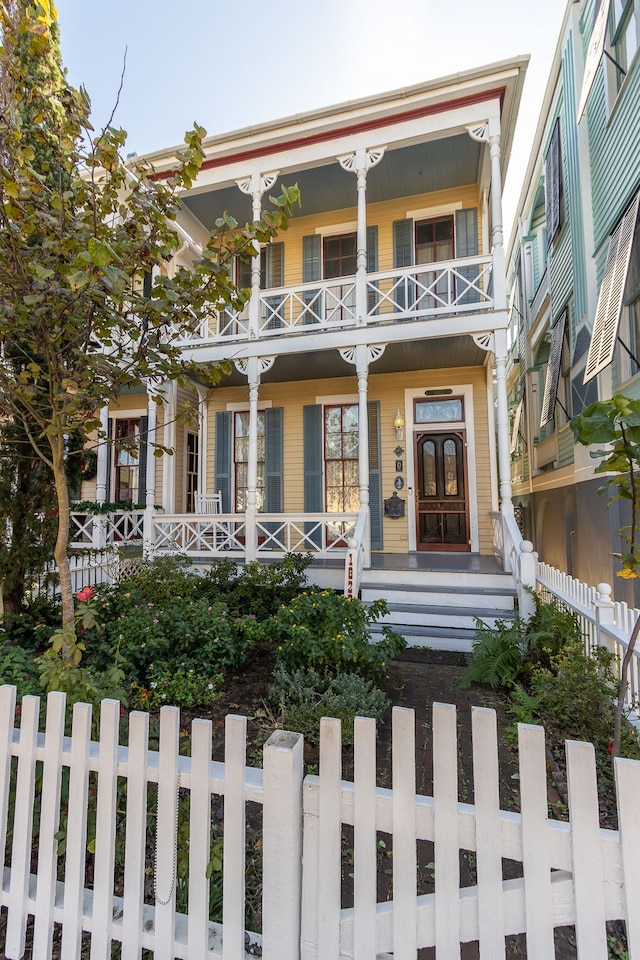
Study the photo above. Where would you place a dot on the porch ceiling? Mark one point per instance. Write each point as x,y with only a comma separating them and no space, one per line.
404,172
397,358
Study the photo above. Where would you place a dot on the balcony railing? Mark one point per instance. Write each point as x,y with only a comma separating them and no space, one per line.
454,287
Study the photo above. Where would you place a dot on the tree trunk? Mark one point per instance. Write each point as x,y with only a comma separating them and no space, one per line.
61,551
624,675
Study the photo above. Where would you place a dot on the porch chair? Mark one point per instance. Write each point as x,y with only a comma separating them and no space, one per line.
208,502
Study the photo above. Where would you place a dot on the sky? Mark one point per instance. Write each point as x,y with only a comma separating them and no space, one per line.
228,65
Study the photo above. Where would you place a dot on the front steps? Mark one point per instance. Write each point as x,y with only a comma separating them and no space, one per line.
436,609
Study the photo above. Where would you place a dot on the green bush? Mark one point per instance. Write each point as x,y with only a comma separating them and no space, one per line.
302,697
18,667
259,587
183,687
497,656
327,629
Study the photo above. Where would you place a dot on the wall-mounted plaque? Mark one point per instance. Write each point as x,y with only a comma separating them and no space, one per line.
399,451
399,466
394,507
398,483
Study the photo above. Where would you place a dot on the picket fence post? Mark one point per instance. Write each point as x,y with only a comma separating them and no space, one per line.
282,845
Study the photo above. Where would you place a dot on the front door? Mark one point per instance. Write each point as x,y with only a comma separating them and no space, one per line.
442,514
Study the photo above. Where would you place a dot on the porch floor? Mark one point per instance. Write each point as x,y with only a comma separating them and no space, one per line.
425,561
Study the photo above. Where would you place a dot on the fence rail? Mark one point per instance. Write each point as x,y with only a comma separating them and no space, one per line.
531,873
87,570
602,622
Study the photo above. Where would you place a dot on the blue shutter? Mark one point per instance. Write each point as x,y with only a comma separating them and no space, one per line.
274,277
312,270
372,266
223,458
273,460
142,460
110,458
312,459
375,474
402,252
467,246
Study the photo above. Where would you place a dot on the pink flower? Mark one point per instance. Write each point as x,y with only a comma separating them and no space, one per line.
87,593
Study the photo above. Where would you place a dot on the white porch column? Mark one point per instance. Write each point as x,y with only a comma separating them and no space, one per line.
203,432
255,186
253,368
169,440
504,456
489,132
152,412
359,163
98,540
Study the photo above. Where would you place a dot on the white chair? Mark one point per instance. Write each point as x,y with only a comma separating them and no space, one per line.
207,503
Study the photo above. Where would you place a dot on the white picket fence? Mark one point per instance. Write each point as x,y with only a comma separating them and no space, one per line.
87,570
602,622
561,872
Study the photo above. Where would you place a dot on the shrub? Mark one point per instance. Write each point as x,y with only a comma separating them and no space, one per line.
184,687
497,654
18,667
302,697
259,587
326,629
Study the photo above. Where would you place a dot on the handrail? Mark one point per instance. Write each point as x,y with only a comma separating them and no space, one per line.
517,558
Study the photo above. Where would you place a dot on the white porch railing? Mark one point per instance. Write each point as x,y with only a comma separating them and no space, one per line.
87,570
120,526
528,873
275,534
406,293
602,622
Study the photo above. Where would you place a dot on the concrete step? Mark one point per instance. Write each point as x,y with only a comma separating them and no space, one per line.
382,579
457,640
480,597
452,615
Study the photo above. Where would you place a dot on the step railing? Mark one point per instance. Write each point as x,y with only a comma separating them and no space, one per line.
517,558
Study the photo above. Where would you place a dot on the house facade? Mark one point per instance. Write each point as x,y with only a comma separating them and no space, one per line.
366,407
574,287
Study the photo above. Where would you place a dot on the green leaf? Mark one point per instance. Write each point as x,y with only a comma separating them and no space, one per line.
100,252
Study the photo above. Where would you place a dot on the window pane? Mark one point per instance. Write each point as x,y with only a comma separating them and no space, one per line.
429,468
450,469
350,445
438,411
334,473
333,446
333,419
350,418
242,449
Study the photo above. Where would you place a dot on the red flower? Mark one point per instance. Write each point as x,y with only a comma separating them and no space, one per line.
87,593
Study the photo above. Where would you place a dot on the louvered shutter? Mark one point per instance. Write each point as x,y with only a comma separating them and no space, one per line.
517,419
467,246
312,459
553,184
147,283
605,325
142,460
553,370
312,270
274,277
273,419
110,459
375,474
402,254
372,266
223,458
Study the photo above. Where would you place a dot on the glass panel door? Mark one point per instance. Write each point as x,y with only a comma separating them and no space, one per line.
442,516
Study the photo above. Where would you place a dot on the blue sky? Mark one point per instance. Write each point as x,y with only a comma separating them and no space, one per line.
228,65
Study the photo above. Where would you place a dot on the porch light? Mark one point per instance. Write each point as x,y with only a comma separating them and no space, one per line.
398,422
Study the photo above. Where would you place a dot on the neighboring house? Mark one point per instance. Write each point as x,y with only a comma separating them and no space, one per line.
574,285
367,407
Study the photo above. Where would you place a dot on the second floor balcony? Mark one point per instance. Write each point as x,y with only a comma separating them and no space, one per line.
453,288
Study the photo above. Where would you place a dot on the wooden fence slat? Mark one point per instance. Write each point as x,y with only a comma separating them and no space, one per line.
74,868
282,845
330,830
405,884
136,835
364,839
199,838
586,854
446,843
7,721
22,829
535,842
105,831
166,839
488,852
310,872
235,751
49,825
627,776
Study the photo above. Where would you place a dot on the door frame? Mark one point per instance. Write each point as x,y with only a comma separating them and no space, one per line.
468,427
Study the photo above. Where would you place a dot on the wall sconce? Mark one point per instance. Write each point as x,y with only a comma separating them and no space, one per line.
398,422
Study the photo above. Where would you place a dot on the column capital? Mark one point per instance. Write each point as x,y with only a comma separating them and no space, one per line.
479,132
485,341
263,364
258,183
361,161
350,354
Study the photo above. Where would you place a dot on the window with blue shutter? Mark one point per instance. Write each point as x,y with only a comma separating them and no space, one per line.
402,256
467,246
312,461
372,267
273,419
312,270
223,458
142,461
553,185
